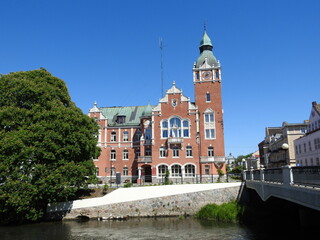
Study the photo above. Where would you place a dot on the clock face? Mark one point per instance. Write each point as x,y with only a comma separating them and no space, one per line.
206,75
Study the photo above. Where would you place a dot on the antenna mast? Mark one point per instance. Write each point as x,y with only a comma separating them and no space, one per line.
161,64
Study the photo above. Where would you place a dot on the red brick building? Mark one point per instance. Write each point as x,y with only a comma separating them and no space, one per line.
184,137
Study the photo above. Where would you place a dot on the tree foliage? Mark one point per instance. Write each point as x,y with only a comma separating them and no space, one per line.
46,145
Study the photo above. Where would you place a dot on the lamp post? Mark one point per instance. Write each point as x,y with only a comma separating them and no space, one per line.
285,147
229,158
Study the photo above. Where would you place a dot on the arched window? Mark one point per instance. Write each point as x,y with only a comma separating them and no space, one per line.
162,170
176,170
208,98
190,170
175,127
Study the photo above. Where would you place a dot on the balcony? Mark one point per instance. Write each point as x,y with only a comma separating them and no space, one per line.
175,140
209,159
206,159
145,159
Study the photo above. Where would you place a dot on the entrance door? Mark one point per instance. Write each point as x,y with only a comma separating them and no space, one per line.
147,173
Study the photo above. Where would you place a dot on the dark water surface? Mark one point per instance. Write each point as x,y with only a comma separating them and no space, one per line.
146,228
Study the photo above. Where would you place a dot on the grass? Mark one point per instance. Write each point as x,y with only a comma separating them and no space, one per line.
226,212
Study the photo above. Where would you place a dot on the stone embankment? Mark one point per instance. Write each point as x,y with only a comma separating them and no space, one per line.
153,201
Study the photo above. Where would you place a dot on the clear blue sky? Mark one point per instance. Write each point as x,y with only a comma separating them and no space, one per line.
107,51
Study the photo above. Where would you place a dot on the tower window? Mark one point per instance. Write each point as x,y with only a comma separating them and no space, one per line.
210,152
208,98
217,74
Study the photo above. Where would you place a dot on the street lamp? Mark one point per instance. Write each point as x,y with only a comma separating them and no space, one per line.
229,158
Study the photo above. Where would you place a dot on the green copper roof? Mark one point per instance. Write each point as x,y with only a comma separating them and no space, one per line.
205,41
212,61
132,114
206,52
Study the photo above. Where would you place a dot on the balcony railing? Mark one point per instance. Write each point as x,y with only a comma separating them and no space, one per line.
145,159
209,159
175,140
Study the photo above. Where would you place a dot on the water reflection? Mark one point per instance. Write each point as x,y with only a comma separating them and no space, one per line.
149,228
160,228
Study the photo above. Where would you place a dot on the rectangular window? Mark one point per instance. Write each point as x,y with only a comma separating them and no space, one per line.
189,151
125,155
162,152
164,133
210,134
113,155
148,152
125,136
113,171
208,98
208,117
217,74
113,137
125,171
175,152
210,152
206,169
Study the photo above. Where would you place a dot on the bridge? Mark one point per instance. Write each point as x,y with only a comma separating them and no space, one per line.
300,185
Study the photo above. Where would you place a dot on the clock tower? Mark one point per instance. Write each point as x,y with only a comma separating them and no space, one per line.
207,90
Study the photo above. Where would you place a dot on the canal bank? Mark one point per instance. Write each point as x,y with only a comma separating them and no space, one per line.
151,201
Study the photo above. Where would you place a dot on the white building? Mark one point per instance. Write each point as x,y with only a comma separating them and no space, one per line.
307,148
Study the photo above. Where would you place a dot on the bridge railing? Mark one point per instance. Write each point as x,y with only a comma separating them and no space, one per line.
307,176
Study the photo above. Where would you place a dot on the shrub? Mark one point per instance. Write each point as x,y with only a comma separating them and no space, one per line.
127,185
226,212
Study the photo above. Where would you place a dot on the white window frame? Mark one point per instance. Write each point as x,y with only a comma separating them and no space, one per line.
162,152
175,152
125,154
189,151
113,155
125,136
209,124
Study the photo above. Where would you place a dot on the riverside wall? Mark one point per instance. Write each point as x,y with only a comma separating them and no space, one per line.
173,205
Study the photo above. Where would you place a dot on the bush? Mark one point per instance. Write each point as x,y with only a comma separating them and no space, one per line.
105,188
226,212
127,185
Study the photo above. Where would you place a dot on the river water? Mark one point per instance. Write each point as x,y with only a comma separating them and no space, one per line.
133,229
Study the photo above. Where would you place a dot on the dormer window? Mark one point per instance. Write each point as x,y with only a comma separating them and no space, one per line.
121,119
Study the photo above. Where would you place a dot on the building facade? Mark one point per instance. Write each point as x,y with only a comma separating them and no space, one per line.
185,138
272,148
307,147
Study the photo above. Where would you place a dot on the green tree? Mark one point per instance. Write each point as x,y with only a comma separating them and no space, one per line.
46,145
